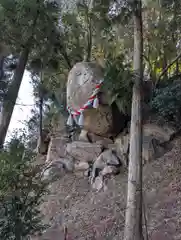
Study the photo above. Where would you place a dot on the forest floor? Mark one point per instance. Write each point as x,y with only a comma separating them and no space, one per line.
91,215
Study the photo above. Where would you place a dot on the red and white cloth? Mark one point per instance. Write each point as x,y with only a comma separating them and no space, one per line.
77,115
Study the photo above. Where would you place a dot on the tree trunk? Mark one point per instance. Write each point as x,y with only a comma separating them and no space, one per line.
11,96
41,117
13,90
41,104
133,221
89,31
2,58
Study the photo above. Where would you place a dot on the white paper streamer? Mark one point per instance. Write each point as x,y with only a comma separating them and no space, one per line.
81,120
96,103
70,120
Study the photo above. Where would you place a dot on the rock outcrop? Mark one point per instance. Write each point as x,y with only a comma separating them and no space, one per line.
88,171
96,156
98,213
161,133
154,137
95,161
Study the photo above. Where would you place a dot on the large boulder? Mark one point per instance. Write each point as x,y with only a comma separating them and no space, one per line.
105,121
82,80
98,121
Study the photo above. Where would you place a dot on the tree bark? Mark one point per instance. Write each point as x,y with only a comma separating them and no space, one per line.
3,53
133,221
41,104
1,66
89,31
12,94
41,116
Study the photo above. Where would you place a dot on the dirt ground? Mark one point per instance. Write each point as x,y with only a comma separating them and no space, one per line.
91,215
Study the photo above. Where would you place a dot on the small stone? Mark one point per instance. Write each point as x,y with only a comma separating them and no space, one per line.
98,184
86,173
106,158
83,136
109,170
57,168
81,166
53,171
68,163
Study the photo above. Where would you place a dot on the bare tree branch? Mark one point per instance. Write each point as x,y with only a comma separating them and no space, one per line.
167,67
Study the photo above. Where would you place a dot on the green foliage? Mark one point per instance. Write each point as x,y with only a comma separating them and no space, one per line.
17,21
161,34
21,191
166,103
118,83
